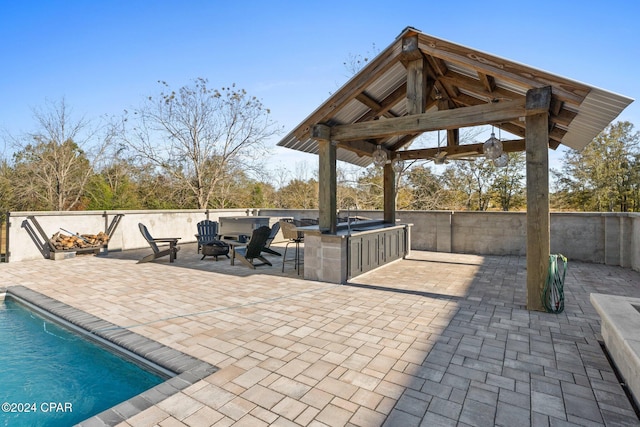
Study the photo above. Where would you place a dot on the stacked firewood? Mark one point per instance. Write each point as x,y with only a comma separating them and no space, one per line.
63,242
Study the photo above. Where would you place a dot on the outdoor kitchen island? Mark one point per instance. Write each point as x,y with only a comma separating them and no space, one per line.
355,249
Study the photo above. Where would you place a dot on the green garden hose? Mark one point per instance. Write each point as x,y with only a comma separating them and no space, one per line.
553,292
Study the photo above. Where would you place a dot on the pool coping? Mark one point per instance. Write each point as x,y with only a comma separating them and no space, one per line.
187,369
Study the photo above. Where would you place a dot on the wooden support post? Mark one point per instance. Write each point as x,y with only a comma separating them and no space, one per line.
418,89
453,137
328,217
389,184
417,86
538,220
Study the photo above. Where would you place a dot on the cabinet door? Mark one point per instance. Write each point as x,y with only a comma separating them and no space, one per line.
366,253
394,244
402,242
382,256
355,255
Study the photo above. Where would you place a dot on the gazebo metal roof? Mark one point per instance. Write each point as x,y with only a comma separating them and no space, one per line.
460,77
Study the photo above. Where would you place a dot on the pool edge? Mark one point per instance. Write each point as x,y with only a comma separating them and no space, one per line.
187,369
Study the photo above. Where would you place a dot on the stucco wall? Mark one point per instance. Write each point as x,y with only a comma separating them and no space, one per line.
24,239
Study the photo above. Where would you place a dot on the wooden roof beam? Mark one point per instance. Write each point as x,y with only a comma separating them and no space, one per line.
368,147
430,121
361,148
510,146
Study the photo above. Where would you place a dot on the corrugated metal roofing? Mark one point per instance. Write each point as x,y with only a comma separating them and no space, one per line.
458,70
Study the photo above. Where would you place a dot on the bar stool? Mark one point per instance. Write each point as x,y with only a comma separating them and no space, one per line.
290,232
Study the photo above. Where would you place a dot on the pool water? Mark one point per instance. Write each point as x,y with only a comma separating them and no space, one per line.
50,376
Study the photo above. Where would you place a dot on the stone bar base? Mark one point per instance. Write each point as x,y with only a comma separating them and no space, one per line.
325,257
354,250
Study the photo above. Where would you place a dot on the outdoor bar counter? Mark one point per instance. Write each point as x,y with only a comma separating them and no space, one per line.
356,248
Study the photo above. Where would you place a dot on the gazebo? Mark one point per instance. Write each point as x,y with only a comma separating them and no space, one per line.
420,83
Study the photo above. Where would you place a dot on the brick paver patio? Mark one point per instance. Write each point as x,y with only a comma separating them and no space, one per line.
434,340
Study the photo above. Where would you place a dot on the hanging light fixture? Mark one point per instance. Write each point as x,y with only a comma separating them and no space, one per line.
379,157
492,147
501,161
397,164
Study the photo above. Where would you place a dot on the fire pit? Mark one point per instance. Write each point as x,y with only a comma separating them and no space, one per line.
215,249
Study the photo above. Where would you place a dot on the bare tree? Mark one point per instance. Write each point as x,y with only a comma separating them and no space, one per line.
508,185
113,184
604,176
427,191
53,164
6,189
355,62
199,135
301,192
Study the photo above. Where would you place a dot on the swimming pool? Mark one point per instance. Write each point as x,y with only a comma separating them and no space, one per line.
44,329
54,377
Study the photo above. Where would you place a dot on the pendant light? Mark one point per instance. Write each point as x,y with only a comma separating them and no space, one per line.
379,157
492,148
397,164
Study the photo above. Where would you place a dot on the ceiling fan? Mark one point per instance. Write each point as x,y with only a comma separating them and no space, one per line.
442,158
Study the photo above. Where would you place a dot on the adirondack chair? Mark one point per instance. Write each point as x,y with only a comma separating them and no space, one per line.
207,232
253,250
272,235
158,252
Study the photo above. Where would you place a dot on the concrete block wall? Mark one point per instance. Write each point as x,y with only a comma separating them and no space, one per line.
606,238
494,233
580,236
634,246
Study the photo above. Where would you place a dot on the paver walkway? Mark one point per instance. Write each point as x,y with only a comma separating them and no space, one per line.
434,340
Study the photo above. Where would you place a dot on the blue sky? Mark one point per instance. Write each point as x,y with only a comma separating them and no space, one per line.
106,56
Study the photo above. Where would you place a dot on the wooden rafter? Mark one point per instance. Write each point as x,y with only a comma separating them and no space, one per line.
355,86
508,71
385,105
478,89
487,81
378,109
458,78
